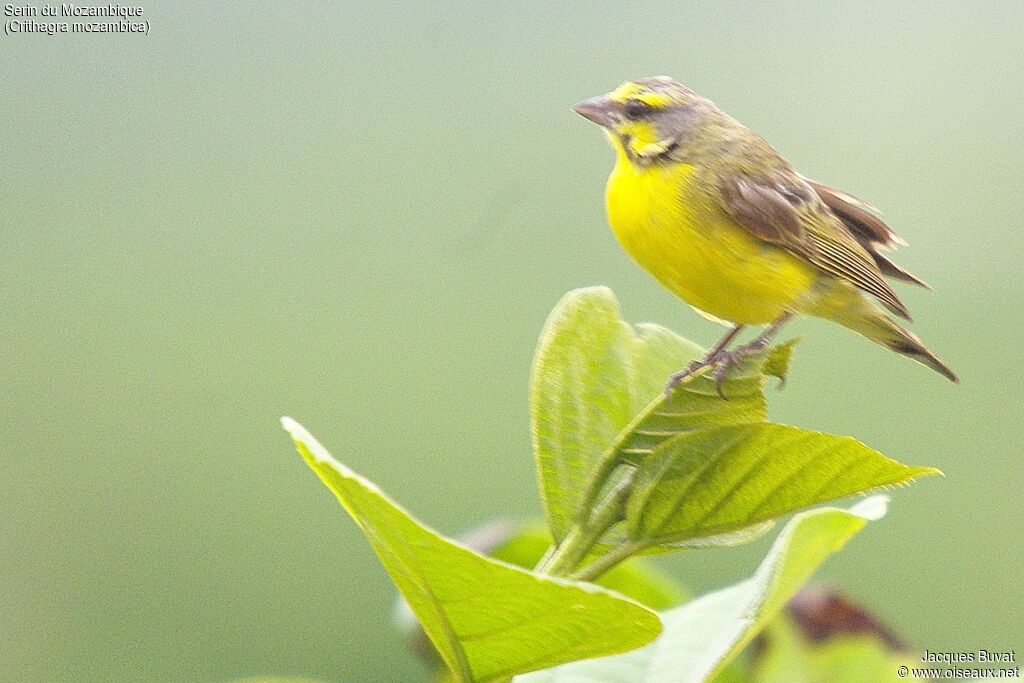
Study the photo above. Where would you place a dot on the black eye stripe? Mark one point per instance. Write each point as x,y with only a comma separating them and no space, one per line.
635,108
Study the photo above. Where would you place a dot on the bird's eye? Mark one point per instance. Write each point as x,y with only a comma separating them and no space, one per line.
636,109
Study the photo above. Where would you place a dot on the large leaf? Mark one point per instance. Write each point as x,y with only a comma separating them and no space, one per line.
596,396
701,637
786,657
695,404
487,619
720,480
637,578
591,374
523,545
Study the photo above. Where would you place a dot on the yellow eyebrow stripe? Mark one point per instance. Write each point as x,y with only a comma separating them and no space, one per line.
624,92
655,100
635,91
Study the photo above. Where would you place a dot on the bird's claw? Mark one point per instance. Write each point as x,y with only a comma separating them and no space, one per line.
677,378
723,361
726,361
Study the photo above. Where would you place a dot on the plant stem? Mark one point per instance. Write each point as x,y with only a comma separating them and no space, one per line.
604,470
606,562
611,459
582,537
569,553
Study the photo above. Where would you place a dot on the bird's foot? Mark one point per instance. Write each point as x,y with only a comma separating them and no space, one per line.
731,359
728,361
714,358
722,360
677,378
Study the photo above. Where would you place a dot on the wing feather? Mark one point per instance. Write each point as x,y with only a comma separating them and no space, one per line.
785,210
867,228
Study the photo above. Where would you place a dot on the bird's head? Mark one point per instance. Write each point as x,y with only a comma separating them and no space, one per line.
646,119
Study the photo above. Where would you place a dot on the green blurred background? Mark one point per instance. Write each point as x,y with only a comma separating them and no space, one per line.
360,216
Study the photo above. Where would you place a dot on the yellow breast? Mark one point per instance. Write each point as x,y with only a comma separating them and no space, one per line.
670,225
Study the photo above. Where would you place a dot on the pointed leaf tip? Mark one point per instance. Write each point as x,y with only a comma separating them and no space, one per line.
872,508
307,443
488,619
778,358
719,480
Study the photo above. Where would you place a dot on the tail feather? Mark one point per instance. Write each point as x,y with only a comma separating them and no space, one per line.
866,319
892,270
905,342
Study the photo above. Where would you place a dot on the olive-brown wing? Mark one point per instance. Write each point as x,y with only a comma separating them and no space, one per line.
786,211
867,228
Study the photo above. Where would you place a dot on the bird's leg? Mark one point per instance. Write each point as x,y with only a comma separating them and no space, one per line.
730,359
712,357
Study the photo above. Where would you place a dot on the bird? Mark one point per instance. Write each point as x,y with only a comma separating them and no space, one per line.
726,224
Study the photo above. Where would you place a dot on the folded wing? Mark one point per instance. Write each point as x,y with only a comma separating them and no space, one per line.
867,228
790,212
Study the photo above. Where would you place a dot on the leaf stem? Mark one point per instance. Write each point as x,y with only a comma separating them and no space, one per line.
609,560
582,537
605,468
611,459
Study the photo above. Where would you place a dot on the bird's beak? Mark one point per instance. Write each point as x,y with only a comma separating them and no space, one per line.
598,109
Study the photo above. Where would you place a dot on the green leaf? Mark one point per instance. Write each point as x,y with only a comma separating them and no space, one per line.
591,374
776,364
523,545
596,396
487,619
786,657
695,404
747,534
701,637
720,480
636,578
